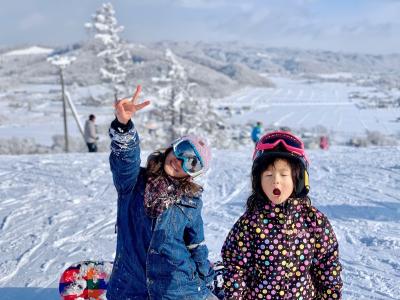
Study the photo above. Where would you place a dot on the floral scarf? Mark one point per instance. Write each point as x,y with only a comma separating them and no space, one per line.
161,192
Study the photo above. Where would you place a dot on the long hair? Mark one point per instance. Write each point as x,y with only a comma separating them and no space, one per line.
261,164
155,168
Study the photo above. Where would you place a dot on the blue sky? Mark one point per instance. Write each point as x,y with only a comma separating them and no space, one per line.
369,26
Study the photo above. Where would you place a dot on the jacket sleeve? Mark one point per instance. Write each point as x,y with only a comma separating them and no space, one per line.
237,260
194,239
125,156
326,267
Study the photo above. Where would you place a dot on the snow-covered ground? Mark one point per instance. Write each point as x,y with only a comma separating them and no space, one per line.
29,51
59,209
299,104
35,110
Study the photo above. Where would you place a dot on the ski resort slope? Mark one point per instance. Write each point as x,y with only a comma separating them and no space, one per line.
298,104
60,209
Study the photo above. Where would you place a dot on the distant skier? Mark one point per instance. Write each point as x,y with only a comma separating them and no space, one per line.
256,132
324,142
282,247
91,134
161,252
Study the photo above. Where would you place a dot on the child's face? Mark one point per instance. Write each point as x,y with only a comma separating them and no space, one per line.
173,166
277,182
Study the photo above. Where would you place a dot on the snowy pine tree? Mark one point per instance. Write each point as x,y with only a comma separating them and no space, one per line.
186,113
111,49
178,94
179,113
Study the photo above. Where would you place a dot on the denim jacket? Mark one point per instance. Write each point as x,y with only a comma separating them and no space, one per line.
162,258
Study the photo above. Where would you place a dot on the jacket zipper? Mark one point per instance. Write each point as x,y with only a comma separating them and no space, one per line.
287,227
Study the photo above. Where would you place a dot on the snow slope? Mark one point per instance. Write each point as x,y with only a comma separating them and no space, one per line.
292,103
34,50
59,209
299,104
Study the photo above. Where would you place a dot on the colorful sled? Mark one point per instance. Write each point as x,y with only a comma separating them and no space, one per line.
85,280
89,280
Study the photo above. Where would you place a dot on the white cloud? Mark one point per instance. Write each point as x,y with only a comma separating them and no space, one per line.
302,23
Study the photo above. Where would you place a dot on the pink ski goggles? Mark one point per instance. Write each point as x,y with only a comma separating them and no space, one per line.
290,142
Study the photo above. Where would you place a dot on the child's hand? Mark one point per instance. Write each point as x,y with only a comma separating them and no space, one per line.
126,108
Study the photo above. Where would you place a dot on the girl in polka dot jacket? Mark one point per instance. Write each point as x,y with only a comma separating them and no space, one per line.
281,247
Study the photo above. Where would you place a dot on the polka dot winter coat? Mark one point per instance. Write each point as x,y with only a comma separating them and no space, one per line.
286,251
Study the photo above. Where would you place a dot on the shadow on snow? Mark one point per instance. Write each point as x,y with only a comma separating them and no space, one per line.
28,293
380,211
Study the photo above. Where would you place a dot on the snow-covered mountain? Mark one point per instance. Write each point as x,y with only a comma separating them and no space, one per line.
60,209
34,50
217,68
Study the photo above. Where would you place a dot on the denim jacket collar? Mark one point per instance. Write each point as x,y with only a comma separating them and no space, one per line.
187,201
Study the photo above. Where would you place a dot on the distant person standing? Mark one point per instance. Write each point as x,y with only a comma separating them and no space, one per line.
91,134
324,142
256,132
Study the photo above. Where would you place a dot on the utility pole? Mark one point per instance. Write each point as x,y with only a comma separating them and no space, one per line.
62,62
64,111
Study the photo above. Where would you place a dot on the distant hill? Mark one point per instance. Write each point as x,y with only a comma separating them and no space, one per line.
216,69
285,60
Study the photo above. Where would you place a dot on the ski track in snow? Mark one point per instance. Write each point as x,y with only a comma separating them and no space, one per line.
60,209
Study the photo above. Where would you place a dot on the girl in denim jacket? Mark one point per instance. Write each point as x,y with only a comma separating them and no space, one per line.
282,247
161,252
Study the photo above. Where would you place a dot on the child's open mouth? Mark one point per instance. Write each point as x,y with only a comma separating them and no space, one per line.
276,192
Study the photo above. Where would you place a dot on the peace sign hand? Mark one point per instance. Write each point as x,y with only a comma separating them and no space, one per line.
127,107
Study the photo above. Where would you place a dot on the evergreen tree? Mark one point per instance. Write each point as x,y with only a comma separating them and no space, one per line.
110,48
186,113
178,95
178,112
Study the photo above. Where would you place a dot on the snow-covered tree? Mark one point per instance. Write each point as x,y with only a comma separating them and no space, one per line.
185,113
178,94
178,112
105,29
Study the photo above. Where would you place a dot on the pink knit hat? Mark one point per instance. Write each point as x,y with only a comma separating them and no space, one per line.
201,147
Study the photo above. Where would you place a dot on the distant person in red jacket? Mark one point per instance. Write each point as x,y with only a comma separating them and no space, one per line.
324,142
282,247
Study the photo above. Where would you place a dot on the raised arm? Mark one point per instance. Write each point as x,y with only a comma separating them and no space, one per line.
125,150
